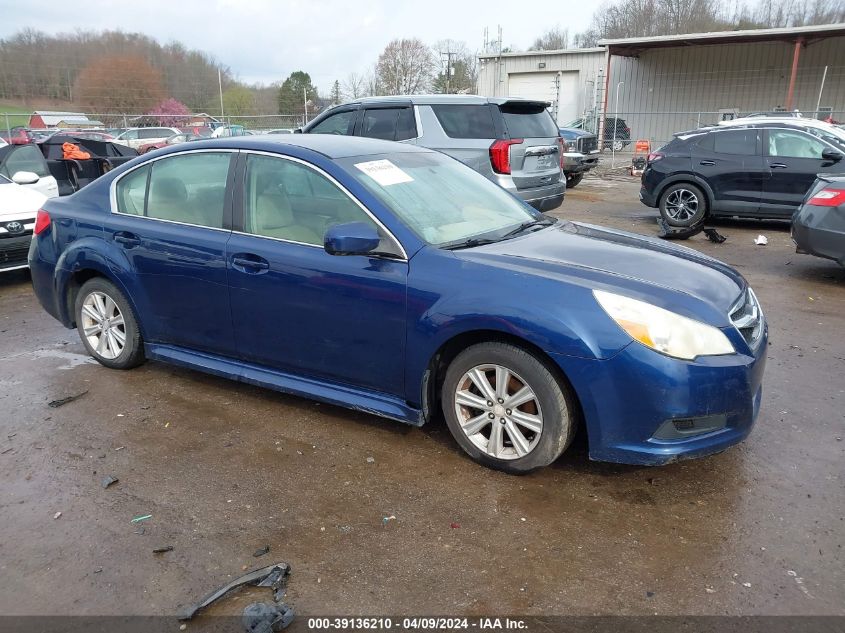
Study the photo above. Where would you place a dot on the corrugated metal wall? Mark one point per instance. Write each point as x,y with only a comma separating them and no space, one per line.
674,89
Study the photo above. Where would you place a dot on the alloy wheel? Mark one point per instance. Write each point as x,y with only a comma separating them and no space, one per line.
681,205
498,411
103,325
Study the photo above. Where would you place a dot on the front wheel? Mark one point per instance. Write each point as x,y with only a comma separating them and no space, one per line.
107,325
683,205
506,409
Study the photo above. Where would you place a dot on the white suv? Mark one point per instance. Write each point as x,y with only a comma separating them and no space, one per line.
134,137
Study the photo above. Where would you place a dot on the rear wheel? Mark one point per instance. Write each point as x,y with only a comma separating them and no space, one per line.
107,325
506,409
683,205
573,180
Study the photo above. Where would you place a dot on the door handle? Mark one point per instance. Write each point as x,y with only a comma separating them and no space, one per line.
708,163
778,166
250,265
126,239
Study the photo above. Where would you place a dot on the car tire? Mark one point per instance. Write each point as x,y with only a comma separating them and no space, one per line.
573,180
107,325
683,205
529,435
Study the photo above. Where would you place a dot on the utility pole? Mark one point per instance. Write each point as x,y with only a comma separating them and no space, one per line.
449,54
305,102
220,88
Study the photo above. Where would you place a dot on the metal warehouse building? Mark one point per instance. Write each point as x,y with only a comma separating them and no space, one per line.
661,85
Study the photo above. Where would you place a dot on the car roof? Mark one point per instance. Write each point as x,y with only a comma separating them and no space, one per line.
764,121
441,99
330,145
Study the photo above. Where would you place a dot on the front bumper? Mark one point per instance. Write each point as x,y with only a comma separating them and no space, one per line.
628,399
577,163
14,251
820,231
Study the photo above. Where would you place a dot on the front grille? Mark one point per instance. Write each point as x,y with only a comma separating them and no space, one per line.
14,250
747,317
587,144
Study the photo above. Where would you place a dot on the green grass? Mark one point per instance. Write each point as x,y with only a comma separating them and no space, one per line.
17,115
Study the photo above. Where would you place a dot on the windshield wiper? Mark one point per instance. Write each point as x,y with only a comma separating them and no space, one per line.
471,242
527,225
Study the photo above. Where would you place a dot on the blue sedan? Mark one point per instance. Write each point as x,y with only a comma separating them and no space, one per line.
395,280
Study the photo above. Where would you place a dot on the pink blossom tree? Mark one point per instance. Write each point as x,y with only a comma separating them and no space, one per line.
170,112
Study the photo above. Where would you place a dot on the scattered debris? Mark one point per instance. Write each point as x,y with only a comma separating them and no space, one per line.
260,617
120,448
11,448
273,576
709,590
761,240
261,551
183,627
371,460
649,594
747,585
109,480
55,404
799,581
714,236
162,550
140,531
454,526
57,515
523,519
99,570
345,529
142,517
676,232
387,520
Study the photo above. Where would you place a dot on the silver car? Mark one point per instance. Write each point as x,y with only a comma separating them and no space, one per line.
513,142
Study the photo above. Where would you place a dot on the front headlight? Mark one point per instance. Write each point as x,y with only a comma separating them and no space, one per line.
662,330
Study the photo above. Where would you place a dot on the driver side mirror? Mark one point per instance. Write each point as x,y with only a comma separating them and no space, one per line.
832,154
351,238
25,178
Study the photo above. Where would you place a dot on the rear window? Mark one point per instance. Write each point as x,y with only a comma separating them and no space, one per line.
736,142
465,121
524,120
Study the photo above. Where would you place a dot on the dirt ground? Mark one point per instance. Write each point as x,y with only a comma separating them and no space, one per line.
225,469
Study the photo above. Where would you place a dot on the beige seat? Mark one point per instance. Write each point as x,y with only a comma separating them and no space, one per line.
273,215
169,201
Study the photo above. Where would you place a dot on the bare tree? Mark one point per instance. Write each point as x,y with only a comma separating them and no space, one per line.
555,39
353,86
458,68
405,66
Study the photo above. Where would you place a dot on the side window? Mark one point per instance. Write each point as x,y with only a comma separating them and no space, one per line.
380,123
189,188
339,123
738,142
406,126
287,200
132,191
707,142
151,132
794,144
465,121
26,158
129,135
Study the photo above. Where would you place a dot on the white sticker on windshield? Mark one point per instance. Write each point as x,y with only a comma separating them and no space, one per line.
384,172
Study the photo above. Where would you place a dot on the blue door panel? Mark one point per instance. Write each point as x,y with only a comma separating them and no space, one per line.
302,310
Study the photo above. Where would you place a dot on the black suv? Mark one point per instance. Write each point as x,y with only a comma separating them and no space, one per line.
616,136
756,170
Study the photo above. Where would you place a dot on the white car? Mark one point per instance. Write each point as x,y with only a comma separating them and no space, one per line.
822,129
25,165
134,137
19,206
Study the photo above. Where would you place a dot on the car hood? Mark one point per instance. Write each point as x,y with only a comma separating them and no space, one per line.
18,202
647,268
571,132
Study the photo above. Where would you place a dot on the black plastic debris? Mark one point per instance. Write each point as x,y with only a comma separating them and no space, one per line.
162,550
714,236
261,551
109,480
272,576
260,617
55,404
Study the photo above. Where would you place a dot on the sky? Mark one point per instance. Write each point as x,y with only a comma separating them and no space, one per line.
265,40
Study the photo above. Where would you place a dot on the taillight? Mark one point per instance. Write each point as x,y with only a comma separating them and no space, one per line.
42,222
654,156
500,154
828,198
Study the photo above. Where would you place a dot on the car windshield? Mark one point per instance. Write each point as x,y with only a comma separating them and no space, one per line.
442,200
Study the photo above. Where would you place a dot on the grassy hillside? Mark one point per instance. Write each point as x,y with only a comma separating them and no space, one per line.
17,114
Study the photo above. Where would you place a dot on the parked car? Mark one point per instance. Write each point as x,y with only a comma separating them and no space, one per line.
580,154
16,136
230,130
134,137
27,167
513,142
281,130
818,226
182,137
94,135
831,133
759,170
18,208
395,280
616,135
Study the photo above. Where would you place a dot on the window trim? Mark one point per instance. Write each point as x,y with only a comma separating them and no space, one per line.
240,188
227,201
